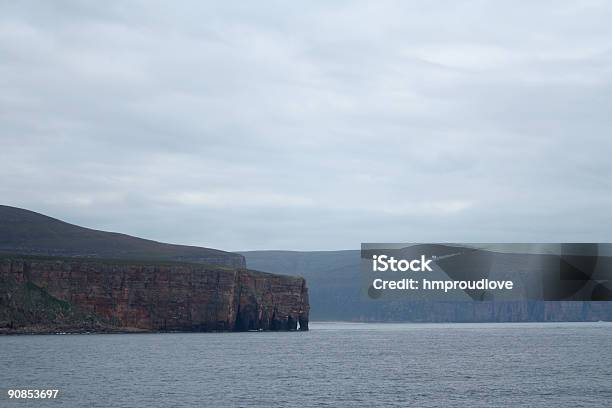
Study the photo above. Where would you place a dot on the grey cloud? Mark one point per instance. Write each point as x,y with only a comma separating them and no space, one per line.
318,126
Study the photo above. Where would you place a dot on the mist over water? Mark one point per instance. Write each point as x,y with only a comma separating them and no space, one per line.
335,364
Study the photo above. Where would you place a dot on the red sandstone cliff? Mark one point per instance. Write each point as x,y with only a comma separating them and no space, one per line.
61,294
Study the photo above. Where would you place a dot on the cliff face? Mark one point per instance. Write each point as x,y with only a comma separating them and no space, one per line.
49,295
487,311
333,278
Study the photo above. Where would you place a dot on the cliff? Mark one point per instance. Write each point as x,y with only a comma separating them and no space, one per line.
333,278
66,294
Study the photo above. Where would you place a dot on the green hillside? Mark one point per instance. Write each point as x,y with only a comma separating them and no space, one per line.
30,233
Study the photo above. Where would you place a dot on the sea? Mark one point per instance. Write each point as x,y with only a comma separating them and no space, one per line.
334,364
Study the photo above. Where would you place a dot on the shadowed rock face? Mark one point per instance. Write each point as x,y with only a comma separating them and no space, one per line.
60,294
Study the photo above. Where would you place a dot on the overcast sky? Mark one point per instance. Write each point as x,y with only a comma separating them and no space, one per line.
271,125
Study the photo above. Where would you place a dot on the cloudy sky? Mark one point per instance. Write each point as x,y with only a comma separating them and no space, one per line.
272,125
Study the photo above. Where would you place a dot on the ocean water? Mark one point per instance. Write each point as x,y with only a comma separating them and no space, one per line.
335,364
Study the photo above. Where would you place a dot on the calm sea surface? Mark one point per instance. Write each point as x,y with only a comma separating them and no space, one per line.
335,364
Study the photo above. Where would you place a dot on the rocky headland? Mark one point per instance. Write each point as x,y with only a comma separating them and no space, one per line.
212,291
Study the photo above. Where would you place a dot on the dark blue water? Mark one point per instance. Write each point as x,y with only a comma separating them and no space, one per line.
335,364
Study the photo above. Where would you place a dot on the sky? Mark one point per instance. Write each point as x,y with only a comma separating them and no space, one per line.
311,126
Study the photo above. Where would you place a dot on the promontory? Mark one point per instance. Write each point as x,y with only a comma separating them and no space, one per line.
58,277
